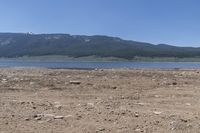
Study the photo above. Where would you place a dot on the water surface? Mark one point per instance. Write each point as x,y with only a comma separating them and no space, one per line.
100,64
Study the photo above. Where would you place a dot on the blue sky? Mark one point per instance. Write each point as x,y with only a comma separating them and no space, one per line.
175,22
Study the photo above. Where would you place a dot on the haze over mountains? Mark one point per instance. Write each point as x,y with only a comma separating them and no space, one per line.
28,44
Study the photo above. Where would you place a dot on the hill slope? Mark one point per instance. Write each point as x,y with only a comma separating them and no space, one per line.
20,44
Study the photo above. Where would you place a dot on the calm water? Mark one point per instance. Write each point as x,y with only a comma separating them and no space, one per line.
91,65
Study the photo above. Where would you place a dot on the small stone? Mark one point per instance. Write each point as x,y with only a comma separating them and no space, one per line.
136,114
90,104
142,104
100,129
184,120
188,104
48,120
58,106
38,118
75,82
123,113
79,117
27,119
58,117
34,116
22,102
157,113
48,115
31,83
137,130
114,87
174,83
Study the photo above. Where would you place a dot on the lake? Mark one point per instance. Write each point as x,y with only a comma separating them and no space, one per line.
93,65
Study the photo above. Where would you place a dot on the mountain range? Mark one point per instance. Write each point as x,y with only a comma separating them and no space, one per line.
29,44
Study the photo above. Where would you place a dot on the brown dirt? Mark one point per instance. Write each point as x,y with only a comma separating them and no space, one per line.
99,101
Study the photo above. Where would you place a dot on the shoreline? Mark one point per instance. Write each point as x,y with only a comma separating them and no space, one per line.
101,59
68,100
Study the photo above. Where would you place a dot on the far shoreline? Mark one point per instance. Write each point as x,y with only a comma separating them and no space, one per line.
61,58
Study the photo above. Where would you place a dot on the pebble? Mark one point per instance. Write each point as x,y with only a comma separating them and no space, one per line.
136,114
48,115
90,104
100,130
184,120
31,83
27,119
58,106
38,118
188,104
138,130
157,113
174,83
58,117
142,104
114,87
75,82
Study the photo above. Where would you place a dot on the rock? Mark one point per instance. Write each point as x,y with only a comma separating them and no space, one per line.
58,105
75,82
79,117
188,104
90,104
38,118
32,83
58,117
114,87
136,114
138,130
22,102
174,83
157,113
49,115
35,116
48,120
4,81
26,119
100,129
142,104
184,120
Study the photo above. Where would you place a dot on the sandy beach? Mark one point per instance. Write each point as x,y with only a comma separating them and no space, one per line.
39,100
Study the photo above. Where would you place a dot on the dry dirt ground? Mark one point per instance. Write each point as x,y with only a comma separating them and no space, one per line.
34,100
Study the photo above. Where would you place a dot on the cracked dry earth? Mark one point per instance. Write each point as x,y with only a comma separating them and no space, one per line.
38,100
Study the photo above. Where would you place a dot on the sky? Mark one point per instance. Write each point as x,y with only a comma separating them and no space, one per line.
174,22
